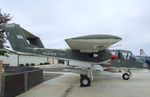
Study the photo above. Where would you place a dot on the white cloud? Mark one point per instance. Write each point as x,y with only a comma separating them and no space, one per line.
55,20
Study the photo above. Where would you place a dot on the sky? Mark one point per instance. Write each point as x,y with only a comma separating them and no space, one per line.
56,20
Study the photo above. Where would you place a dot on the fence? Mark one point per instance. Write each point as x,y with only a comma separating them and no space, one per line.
17,80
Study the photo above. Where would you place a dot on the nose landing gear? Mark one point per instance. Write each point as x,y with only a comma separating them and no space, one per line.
127,75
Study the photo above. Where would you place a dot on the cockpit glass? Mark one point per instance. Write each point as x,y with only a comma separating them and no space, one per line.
113,52
126,55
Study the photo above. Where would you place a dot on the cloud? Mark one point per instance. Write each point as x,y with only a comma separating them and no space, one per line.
56,20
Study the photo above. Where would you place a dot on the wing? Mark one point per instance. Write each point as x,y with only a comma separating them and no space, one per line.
92,43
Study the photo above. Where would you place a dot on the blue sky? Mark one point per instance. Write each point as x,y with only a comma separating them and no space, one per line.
55,20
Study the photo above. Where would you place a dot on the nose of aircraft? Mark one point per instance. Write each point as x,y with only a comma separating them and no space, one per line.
145,65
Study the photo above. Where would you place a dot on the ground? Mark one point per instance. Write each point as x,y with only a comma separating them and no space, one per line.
104,85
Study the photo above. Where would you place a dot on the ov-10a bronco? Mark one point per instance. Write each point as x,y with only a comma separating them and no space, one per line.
85,51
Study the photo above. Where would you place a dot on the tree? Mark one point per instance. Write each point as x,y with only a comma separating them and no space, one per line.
4,19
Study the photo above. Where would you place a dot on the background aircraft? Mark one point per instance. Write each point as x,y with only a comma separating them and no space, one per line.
143,57
85,52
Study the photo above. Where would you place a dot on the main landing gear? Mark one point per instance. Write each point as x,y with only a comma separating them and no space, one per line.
85,81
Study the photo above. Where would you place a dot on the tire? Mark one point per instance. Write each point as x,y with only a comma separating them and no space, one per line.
81,75
126,76
85,81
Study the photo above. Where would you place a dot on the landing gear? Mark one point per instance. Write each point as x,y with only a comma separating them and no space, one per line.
85,81
126,76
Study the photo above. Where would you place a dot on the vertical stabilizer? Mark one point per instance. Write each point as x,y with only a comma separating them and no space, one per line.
20,39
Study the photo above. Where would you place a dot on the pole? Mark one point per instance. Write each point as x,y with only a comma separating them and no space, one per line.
1,74
1,69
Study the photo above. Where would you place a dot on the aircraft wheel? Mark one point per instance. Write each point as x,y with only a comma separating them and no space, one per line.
81,75
85,81
126,76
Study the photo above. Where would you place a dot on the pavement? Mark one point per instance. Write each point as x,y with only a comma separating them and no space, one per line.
104,85
56,87
0,86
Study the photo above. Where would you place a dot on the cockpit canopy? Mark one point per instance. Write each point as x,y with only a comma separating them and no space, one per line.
123,55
